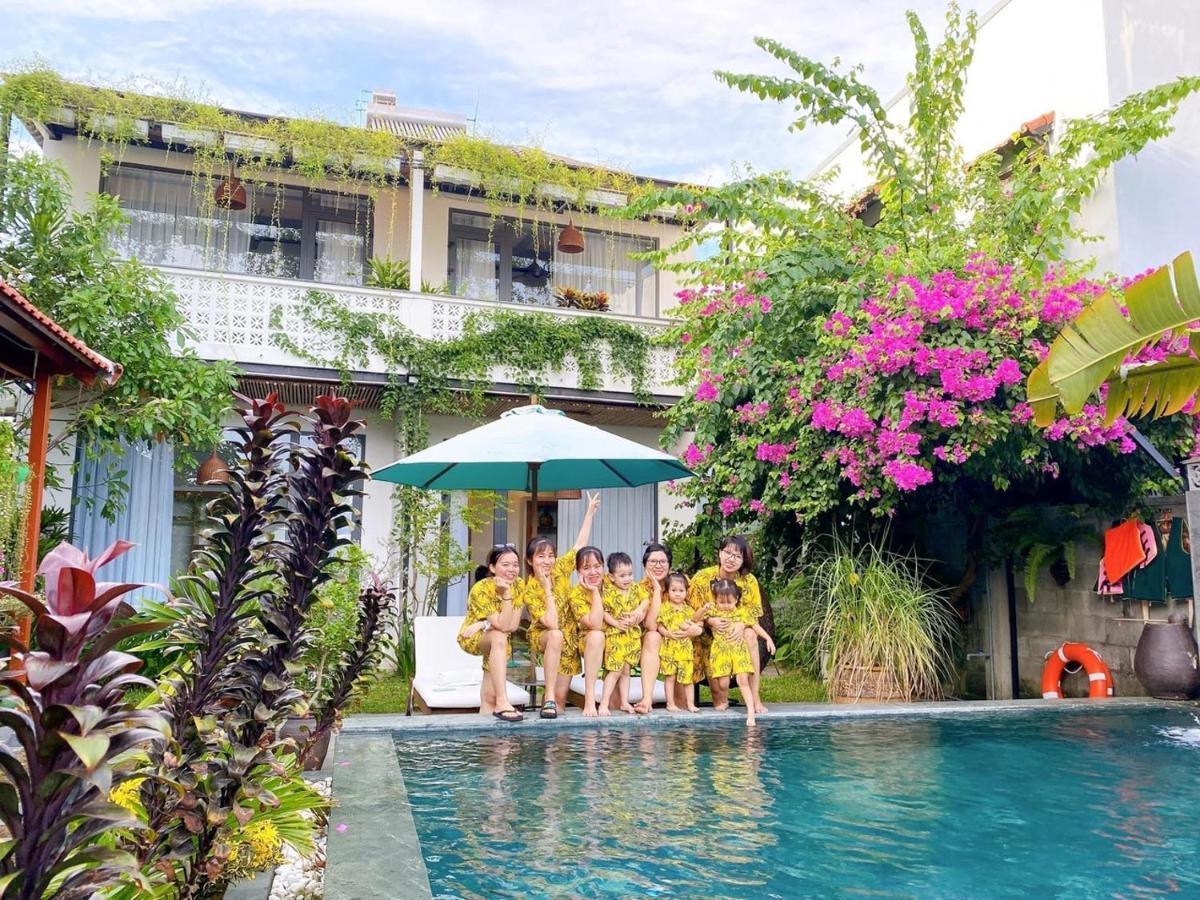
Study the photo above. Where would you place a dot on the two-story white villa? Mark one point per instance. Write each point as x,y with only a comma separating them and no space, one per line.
295,234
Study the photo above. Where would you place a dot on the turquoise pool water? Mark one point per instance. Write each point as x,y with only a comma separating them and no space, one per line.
1085,804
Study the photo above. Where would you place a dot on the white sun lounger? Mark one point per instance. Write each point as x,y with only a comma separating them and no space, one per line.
448,677
635,688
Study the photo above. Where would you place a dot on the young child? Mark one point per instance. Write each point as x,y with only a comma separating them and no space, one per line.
730,655
623,600
676,656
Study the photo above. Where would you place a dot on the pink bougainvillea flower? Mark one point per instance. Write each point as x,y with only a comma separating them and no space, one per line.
729,505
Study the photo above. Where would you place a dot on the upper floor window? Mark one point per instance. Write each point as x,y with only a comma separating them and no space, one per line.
520,262
284,231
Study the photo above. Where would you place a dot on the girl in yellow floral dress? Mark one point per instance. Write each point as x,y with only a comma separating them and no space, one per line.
734,562
729,655
587,605
493,614
677,630
625,605
553,632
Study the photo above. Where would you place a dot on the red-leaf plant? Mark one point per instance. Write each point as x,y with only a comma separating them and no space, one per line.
375,608
72,721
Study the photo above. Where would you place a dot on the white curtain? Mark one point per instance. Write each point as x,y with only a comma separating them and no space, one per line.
625,521
606,265
166,225
339,253
475,269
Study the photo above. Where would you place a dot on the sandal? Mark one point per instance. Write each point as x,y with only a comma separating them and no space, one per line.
549,710
509,715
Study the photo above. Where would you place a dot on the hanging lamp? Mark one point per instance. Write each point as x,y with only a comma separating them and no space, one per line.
212,469
231,193
571,239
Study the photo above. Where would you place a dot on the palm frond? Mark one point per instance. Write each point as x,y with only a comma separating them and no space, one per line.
1156,389
1091,349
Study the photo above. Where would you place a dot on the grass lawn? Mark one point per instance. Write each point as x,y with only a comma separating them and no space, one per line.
387,695
390,693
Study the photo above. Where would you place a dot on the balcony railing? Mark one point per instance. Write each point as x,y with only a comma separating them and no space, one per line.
231,316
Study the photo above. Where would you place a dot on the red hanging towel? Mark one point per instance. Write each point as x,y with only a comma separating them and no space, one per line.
1123,550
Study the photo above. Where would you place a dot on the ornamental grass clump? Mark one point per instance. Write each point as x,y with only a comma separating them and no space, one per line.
73,723
876,628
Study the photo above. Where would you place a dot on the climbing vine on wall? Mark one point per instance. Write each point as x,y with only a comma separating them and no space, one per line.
452,376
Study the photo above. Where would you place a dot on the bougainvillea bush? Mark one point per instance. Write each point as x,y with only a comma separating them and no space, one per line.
873,355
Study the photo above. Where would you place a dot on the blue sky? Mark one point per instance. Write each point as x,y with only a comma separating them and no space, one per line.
626,83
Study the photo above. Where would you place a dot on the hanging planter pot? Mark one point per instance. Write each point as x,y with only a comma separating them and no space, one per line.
230,193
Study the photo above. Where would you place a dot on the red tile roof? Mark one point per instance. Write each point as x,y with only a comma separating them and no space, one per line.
74,356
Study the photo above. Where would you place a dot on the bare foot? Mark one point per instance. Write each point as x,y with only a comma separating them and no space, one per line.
721,708
627,707
604,713
761,709
693,709
589,712
671,707
750,719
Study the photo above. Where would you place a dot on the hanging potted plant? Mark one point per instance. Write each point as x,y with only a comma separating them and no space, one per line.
1045,538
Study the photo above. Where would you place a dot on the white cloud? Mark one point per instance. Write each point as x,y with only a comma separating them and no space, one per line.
618,82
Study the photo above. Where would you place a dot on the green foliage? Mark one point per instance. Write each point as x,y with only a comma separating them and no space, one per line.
63,262
14,502
1101,345
1041,537
871,611
388,694
334,617
394,275
452,376
796,246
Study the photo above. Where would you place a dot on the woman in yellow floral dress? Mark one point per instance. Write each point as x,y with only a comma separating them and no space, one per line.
734,562
729,655
656,561
493,614
587,605
553,632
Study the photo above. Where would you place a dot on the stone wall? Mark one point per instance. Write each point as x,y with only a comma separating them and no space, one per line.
1075,613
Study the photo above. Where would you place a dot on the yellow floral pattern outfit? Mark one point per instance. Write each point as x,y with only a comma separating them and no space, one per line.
622,648
700,595
483,602
535,599
676,656
731,655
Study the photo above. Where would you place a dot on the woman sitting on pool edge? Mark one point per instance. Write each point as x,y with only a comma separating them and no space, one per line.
734,563
493,614
587,604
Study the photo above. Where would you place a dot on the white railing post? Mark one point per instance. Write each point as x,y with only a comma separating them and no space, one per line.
416,225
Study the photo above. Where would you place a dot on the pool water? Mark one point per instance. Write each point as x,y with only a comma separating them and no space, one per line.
1086,804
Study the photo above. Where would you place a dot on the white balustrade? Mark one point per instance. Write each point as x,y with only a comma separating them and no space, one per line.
231,316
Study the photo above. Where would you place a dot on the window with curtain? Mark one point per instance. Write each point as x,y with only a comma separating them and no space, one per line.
284,231
519,262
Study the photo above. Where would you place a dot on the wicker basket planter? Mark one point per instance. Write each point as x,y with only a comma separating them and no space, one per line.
862,684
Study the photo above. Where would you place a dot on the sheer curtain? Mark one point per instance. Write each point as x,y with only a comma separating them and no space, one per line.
606,265
339,252
475,269
145,519
166,225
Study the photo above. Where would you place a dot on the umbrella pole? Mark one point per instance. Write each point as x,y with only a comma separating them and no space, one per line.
531,525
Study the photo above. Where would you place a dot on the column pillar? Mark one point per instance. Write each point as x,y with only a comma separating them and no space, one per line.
416,225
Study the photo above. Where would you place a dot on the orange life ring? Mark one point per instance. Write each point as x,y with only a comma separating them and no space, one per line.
1100,677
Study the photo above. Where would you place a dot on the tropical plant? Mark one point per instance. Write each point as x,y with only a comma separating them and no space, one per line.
1039,537
73,725
874,626
356,667
1139,344
574,298
394,275
64,262
14,502
333,619
834,364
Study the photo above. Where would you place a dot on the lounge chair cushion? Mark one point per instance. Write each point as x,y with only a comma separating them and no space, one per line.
448,677
635,689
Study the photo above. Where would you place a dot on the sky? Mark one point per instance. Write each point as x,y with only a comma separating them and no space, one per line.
624,83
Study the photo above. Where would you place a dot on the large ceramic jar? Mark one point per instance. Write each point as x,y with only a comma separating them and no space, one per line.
1166,661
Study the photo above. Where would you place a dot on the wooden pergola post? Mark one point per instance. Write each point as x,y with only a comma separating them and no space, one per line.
39,442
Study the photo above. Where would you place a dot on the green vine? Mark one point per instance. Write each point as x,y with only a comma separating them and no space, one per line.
452,376
353,159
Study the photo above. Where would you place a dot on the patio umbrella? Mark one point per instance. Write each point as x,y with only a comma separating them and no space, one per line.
532,448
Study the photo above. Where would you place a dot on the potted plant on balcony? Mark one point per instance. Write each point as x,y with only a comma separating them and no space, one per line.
574,298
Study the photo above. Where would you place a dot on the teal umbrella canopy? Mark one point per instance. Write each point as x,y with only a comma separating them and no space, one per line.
532,448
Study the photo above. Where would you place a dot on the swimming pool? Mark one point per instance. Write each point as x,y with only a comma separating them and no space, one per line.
996,804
